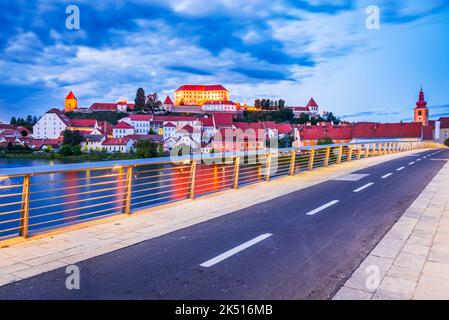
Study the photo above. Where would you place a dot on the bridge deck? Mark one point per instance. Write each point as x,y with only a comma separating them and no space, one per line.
296,237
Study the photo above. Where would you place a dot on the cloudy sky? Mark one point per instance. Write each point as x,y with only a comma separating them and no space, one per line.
256,48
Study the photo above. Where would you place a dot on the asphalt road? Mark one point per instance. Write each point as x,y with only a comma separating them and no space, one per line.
303,245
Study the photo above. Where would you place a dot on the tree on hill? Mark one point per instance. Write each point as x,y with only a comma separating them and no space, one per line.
324,141
152,103
139,101
147,149
329,117
72,138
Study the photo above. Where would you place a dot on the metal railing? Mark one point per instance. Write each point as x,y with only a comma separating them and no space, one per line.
35,199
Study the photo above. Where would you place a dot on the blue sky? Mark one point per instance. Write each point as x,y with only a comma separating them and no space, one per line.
261,48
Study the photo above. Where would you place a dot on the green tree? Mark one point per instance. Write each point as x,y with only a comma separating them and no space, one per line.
324,141
446,142
152,103
147,149
139,101
13,120
72,138
281,104
329,117
77,150
303,118
66,150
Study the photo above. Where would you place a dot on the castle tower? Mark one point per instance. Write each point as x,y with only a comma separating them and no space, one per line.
70,102
421,110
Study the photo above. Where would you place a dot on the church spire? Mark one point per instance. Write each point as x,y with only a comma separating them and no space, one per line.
421,102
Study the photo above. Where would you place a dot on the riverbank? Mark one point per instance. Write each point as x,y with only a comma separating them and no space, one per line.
75,158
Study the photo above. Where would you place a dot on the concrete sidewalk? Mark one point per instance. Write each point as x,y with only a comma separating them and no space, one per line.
412,260
48,252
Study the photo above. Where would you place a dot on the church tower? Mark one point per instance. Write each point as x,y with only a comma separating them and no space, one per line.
70,102
421,110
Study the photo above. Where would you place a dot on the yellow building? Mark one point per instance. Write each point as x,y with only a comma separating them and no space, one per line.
70,102
199,94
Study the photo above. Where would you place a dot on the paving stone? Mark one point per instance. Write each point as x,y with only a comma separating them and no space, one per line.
395,288
351,294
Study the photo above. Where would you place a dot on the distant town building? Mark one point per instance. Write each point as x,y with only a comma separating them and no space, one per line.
442,129
311,108
421,110
220,106
120,106
122,145
199,94
122,129
71,102
51,125
168,104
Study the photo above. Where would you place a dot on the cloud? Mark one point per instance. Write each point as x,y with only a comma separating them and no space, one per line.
192,70
364,114
260,47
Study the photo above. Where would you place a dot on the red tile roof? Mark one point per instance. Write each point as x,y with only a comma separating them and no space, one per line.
123,125
151,137
220,102
141,117
103,106
387,130
168,100
283,128
319,132
187,128
89,123
248,125
223,119
193,87
70,96
312,103
300,109
7,126
175,118
207,122
169,125
427,133
116,141
444,122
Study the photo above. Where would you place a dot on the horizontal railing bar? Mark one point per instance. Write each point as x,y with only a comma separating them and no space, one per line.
71,209
10,229
77,216
12,220
12,186
41,183
9,212
78,201
9,204
160,192
10,195
73,194
153,200
77,187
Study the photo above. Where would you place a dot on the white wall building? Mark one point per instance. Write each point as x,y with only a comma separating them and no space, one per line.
220,106
122,129
122,145
51,124
140,122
